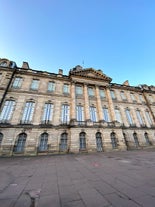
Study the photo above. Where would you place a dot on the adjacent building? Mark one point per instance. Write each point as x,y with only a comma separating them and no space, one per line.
47,113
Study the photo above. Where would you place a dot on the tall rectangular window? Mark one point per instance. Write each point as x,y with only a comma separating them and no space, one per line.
123,95
79,90
65,113
148,117
132,97
79,113
118,115
90,91
112,94
66,88
7,111
139,117
51,86
128,115
141,98
28,112
48,113
34,84
93,114
102,93
17,82
106,116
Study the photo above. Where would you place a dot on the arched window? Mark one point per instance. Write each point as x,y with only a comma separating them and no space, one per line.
43,145
113,140
147,138
99,142
82,141
1,138
136,139
20,143
63,142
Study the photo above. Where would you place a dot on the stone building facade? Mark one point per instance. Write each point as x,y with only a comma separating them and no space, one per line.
47,113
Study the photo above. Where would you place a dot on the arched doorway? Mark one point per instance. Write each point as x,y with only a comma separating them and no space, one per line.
20,143
99,142
43,144
63,142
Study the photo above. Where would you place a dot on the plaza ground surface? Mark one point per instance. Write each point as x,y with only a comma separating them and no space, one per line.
113,179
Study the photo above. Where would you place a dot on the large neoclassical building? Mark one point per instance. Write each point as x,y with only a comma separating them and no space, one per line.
84,111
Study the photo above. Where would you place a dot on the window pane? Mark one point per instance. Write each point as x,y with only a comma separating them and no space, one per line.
102,93
1,138
65,114
17,82
43,142
28,112
7,111
148,117
80,113
112,94
132,97
123,95
48,112
35,84
66,88
79,90
93,114
106,116
118,115
129,118
20,145
51,86
90,91
139,117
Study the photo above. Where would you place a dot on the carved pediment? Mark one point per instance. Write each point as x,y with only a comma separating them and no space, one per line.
90,73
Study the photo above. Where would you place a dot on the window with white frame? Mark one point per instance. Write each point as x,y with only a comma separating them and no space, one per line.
90,91
118,115
63,142
150,99
28,112
106,116
102,93
128,115
123,95
65,113
66,88
79,90
7,111
48,113
147,114
51,86
17,82
34,84
80,113
132,97
112,93
93,113
139,117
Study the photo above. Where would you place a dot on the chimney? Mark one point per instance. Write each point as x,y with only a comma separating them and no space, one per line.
60,72
25,65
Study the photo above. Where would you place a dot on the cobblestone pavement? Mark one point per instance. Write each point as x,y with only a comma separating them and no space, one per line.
101,179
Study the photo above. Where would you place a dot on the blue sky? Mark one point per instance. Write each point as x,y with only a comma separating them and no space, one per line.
117,36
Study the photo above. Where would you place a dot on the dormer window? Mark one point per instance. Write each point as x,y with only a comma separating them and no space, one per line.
3,64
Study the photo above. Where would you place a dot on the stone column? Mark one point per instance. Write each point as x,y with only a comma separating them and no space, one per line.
86,104
111,105
99,105
73,102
